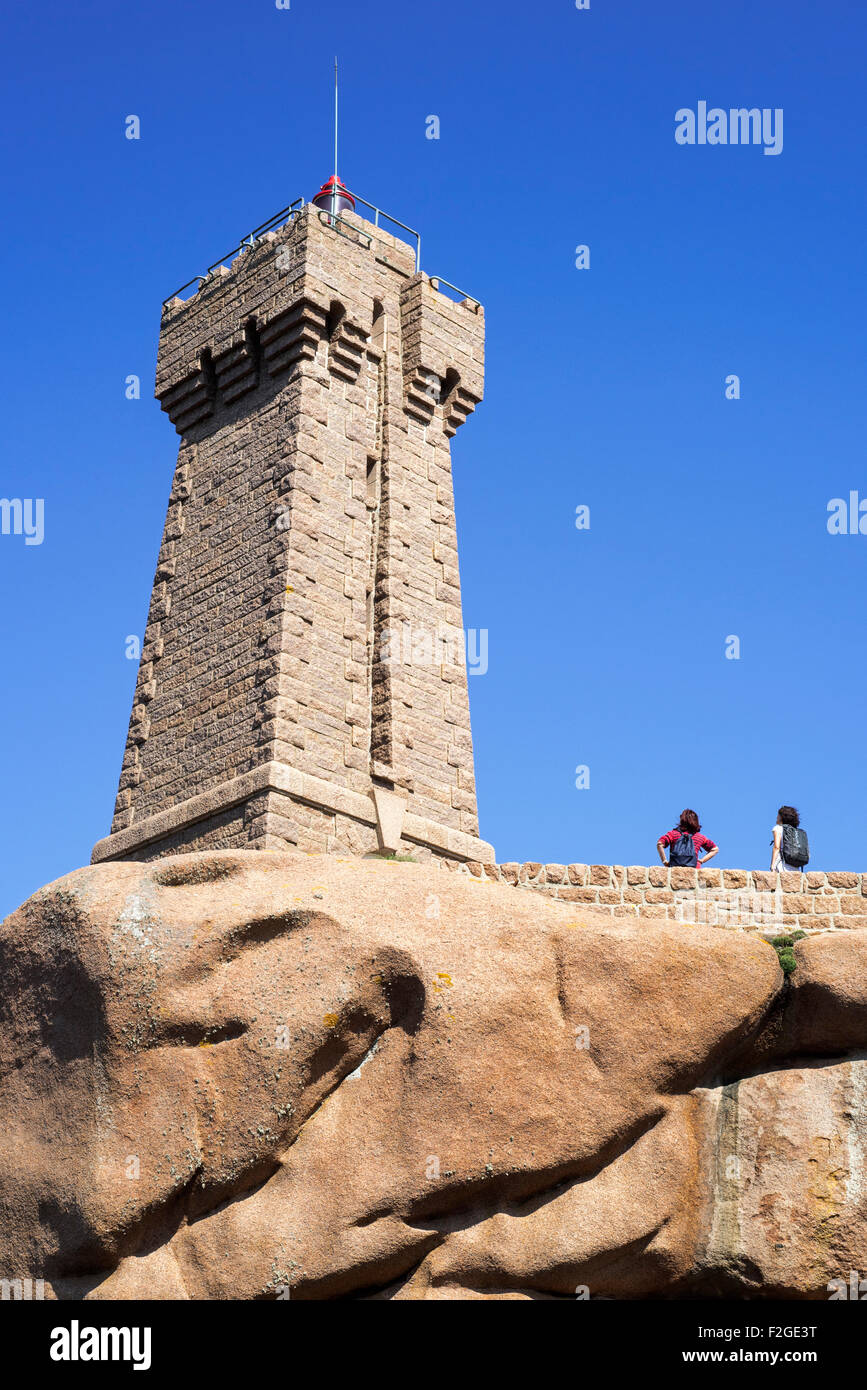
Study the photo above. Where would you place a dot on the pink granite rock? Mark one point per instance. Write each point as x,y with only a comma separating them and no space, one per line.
244,1075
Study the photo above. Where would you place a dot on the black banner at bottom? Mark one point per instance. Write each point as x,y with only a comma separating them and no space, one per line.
81,1339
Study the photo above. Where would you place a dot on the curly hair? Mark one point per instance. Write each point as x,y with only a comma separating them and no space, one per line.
789,816
689,823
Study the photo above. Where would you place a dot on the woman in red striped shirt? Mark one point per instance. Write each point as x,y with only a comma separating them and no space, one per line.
685,844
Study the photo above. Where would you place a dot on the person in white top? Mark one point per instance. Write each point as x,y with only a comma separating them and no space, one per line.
787,815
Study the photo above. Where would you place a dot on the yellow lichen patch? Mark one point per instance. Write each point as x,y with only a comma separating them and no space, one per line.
827,1180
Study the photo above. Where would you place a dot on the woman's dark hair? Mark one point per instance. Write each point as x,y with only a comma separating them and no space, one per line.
789,816
689,823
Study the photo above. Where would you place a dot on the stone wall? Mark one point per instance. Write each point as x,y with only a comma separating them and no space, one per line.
740,899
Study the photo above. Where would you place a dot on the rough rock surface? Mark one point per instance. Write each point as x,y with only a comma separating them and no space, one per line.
251,1075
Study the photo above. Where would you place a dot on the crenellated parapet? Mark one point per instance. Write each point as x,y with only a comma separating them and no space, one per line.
443,349
267,313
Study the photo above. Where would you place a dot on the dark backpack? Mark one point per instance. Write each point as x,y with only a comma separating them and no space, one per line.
795,846
682,854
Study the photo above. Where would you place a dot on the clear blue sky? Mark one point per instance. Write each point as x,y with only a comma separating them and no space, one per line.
605,387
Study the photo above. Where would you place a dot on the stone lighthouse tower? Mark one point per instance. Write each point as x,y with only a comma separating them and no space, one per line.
302,680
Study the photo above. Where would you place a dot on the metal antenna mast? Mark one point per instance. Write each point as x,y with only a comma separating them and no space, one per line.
334,197
334,209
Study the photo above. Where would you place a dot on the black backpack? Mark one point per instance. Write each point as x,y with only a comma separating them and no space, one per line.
795,846
682,854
